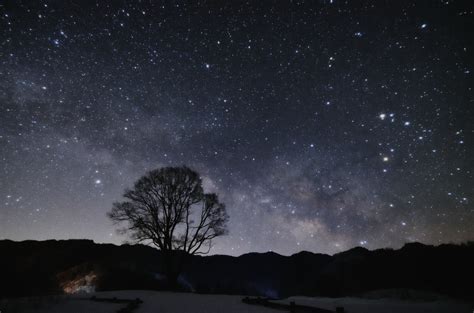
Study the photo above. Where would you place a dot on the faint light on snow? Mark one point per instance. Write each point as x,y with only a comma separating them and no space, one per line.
382,116
81,284
423,26
98,182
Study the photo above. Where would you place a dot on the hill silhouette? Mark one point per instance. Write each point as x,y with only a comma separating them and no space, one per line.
51,266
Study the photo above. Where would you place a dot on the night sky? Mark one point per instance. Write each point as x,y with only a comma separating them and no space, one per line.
322,125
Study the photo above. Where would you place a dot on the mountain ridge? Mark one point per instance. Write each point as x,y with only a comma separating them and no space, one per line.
33,267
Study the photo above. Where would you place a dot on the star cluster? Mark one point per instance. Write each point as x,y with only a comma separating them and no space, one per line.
322,125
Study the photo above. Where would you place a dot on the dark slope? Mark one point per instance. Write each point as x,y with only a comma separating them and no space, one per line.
42,267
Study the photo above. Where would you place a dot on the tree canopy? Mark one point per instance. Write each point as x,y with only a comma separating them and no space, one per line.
169,208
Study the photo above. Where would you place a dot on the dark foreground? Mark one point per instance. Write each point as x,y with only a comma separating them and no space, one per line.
54,267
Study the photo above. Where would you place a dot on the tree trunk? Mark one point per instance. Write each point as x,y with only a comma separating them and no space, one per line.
173,269
172,280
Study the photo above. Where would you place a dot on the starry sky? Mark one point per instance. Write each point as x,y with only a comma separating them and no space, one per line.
322,125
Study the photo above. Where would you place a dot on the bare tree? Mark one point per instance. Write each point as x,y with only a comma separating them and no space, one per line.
168,208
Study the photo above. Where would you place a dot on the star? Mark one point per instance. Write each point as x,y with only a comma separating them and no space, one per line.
327,138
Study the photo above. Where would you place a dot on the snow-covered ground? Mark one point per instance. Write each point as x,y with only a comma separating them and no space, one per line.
153,302
56,304
169,302
359,305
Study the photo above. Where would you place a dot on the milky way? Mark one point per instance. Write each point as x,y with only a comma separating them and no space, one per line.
322,125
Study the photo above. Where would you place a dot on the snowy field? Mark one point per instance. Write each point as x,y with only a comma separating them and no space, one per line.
358,305
168,302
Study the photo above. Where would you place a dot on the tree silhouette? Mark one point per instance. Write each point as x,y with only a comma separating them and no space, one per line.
168,208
